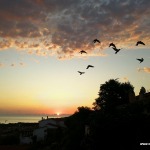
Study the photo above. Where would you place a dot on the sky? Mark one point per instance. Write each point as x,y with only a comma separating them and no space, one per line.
40,41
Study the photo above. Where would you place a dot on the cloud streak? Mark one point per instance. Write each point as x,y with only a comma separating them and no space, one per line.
63,29
145,69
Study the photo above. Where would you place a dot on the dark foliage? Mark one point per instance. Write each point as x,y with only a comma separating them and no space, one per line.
115,123
113,94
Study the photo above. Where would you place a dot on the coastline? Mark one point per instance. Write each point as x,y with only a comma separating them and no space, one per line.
6,119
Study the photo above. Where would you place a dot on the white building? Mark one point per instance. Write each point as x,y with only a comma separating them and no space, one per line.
40,133
44,124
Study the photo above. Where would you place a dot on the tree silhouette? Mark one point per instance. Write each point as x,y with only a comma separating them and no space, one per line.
126,90
112,94
76,128
142,91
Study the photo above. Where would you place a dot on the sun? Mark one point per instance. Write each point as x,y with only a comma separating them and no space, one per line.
58,113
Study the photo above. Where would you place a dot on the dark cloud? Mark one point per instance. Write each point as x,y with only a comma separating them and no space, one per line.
64,28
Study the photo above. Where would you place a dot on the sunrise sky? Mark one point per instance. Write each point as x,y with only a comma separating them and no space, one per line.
40,41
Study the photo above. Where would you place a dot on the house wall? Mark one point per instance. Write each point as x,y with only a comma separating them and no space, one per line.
40,133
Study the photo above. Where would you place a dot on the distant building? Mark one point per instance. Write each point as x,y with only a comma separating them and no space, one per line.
29,135
45,124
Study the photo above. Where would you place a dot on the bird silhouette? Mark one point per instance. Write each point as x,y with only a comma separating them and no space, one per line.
83,52
89,66
140,42
81,72
96,40
140,60
116,49
112,44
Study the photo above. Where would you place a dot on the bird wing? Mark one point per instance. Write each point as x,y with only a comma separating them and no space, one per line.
83,51
139,59
112,44
91,66
81,72
96,40
142,43
114,49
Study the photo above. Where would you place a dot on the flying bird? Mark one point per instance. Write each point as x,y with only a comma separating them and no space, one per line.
81,72
96,40
116,49
89,66
83,52
140,42
140,60
112,44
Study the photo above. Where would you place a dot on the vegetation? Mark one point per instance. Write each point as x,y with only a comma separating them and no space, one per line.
117,120
113,94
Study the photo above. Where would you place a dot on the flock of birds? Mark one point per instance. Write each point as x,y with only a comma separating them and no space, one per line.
114,48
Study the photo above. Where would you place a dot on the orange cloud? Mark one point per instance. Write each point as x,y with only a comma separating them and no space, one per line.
1,65
145,69
125,79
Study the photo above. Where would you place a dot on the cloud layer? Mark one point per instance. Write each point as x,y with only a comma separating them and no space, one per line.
51,27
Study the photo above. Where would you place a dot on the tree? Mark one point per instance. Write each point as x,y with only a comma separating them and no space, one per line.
113,93
127,90
76,127
142,91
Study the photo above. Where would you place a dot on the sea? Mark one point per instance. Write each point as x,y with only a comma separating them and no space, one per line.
6,119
